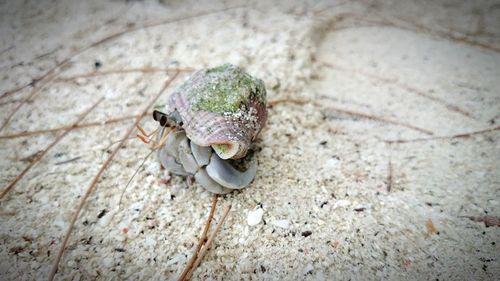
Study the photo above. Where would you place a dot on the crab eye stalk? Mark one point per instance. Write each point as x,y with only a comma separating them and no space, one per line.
157,115
167,120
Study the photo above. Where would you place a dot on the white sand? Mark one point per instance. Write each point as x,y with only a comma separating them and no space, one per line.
323,172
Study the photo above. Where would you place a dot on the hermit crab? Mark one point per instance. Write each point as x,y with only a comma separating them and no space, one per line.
209,125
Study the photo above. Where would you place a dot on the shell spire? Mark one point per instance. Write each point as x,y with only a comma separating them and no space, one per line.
222,107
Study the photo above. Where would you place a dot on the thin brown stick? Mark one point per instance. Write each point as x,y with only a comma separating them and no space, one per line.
39,155
93,184
78,126
201,241
458,136
408,88
274,102
52,73
351,112
123,71
422,29
205,248
6,50
389,175
9,102
33,83
449,35
111,37
33,93
32,61
68,161
381,119
48,53
487,220
16,89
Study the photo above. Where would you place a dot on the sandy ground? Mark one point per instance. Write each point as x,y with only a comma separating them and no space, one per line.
341,200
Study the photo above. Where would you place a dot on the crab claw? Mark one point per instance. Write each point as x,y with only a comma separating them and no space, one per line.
226,175
209,184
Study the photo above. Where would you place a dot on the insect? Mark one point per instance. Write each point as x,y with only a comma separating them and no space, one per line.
209,125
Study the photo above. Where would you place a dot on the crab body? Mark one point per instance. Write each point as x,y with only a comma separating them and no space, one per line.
216,115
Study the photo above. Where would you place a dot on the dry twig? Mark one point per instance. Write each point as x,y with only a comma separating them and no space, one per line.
487,220
458,136
205,248
408,88
382,119
33,81
449,35
9,102
33,93
417,28
272,103
78,126
6,49
146,69
52,73
39,155
389,174
202,240
93,184
109,38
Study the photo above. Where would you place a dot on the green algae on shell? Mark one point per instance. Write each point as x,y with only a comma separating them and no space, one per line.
223,89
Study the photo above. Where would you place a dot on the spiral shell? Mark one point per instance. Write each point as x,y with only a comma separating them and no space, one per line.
221,107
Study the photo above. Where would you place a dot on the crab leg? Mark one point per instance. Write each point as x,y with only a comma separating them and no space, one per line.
163,138
143,136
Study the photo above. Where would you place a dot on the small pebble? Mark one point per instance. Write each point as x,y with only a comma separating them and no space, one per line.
341,203
165,179
150,241
331,163
361,207
255,216
281,223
